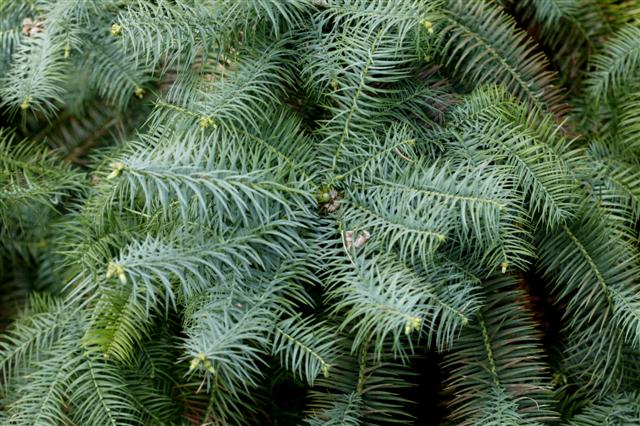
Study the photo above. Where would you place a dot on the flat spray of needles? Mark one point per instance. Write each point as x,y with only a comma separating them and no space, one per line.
319,212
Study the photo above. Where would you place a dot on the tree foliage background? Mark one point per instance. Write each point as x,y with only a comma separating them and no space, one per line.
319,212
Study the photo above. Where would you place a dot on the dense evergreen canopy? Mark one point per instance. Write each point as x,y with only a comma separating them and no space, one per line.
319,212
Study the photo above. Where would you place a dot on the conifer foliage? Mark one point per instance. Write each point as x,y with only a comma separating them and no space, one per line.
236,212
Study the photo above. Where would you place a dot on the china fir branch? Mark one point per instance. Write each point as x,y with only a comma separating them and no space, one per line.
222,199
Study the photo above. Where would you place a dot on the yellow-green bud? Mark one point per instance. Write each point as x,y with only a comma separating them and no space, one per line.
503,267
116,170
559,379
116,30
209,367
427,25
412,324
194,364
325,370
115,270
139,92
26,103
206,122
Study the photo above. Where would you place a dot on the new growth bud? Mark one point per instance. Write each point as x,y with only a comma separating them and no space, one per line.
115,270
116,170
26,103
412,325
116,30
427,25
201,359
206,122
325,370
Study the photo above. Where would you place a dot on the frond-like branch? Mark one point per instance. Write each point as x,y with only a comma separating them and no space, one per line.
198,175
119,324
623,408
41,399
369,46
493,125
305,348
33,180
496,367
100,395
384,302
594,271
34,333
481,45
361,390
616,67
